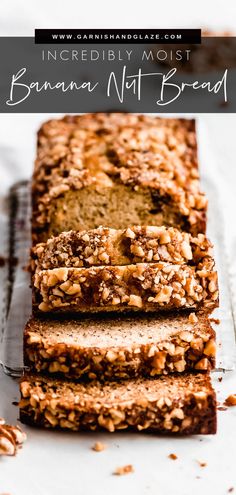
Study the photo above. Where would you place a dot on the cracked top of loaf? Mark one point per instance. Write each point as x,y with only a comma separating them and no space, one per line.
103,150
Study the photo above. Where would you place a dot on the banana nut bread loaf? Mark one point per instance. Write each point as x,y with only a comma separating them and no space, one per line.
116,170
182,404
140,287
105,246
118,348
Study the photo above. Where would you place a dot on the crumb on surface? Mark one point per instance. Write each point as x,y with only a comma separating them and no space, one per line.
231,489
221,408
220,378
231,400
202,463
173,457
99,446
124,470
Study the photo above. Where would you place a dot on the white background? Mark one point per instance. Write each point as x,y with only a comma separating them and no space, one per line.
65,464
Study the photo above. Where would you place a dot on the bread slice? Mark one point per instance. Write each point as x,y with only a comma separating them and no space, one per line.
104,246
119,347
116,170
182,404
144,286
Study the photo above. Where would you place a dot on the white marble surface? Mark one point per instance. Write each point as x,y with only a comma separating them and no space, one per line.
57,463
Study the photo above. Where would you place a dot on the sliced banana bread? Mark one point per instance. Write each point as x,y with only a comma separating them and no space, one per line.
116,170
119,347
144,286
104,246
179,404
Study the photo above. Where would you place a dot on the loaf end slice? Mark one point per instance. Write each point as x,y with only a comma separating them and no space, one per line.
182,404
119,347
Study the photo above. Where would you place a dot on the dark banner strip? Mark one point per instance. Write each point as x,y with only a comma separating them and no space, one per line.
138,77
115,36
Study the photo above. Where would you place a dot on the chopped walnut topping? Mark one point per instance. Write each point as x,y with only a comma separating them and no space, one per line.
124,470
193,318
114,288
231,400
99,446
142,152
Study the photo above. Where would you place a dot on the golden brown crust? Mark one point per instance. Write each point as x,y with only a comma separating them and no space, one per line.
117,348
144,286
104,152
104,246
183,404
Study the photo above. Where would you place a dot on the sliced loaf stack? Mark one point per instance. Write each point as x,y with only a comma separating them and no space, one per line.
123,279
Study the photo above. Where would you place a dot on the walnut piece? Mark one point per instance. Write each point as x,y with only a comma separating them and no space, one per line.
11,438
173,457
99,446
231,400
124,470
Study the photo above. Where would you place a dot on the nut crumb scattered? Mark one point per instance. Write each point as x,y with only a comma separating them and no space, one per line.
124,470
220,379
221,408
99,446
173,457
202,464
231,400
231,489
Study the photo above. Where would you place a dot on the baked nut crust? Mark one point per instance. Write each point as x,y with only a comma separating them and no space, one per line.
182,404
104,246
102,161
139,287
110,348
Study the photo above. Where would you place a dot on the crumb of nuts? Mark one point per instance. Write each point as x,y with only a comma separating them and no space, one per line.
202,464
124,470
231,400
99,446
220,378
173,457
231,489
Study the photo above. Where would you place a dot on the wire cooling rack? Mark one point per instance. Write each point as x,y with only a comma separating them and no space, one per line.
15,292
